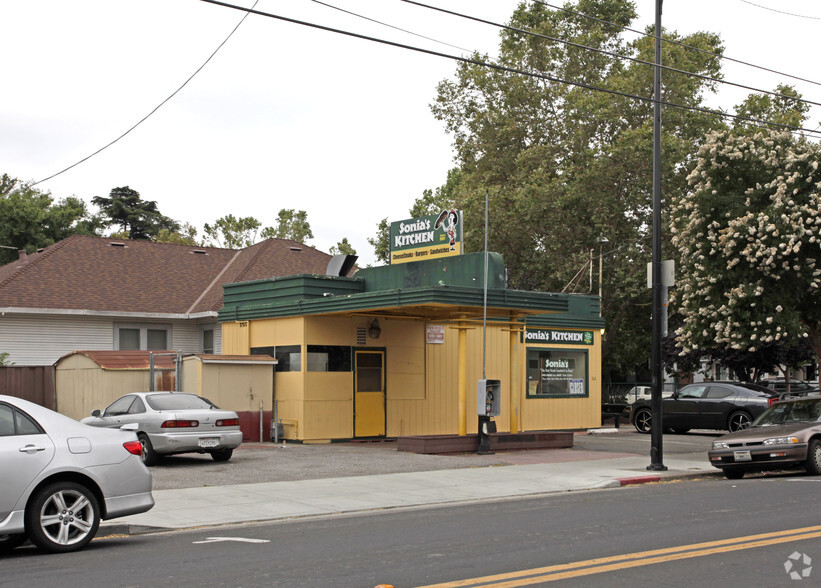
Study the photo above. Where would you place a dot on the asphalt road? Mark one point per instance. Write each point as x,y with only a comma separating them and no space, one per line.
707,533
268,462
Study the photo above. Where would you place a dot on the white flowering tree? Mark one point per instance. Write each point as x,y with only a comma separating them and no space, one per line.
748,242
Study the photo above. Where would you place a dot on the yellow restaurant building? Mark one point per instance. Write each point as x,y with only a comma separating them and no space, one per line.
398,350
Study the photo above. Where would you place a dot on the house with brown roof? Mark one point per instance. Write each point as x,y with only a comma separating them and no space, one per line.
118,294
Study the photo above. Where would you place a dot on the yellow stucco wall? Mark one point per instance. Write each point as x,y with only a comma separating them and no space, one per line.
566,413
421,378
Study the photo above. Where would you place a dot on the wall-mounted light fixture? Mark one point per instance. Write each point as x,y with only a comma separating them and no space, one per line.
373,330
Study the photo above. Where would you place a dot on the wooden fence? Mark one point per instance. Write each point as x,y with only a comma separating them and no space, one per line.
32,383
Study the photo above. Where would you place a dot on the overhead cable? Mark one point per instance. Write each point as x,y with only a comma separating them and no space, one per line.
679,43
781,11
507,69
156,108
610,53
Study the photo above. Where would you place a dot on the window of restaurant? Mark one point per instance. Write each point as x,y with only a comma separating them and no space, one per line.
289,357
557,373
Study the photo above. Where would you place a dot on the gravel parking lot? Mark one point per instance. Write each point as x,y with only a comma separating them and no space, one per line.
267,462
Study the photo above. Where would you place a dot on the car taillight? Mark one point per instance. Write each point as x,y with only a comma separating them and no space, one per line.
227,423
133,447
772,401
179,424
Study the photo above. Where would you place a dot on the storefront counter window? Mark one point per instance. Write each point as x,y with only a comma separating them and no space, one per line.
289,357
557,373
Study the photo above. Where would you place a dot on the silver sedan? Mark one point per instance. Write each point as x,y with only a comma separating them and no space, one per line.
173,422
59,478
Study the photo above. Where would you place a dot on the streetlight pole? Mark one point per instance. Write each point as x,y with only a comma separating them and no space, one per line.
602,241
656,445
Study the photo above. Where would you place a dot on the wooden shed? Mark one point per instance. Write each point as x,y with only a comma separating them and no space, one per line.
88,380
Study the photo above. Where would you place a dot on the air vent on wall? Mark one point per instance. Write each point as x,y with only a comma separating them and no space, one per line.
361,335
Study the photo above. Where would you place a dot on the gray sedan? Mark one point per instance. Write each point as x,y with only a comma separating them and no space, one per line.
787,435
173,422
59,478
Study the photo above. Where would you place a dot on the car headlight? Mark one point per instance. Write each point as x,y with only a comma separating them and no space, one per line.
781,441
720,445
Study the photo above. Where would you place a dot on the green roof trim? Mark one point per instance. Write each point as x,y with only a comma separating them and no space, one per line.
435,289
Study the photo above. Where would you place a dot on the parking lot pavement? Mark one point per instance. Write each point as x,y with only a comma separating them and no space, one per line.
267,462
284,462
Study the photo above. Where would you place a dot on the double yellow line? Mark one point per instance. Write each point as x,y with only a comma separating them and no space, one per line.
632,560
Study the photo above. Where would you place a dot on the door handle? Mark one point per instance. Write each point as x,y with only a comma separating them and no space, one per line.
31,449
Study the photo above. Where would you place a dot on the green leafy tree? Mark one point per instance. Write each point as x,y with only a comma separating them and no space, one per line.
381,242
139,218
232,232
343,248
292,225
30,219
186,235
4,359
783,109
565,165
748,237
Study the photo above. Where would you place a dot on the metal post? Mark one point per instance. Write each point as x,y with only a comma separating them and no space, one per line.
656,443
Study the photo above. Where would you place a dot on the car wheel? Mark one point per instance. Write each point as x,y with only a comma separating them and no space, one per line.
738,420
642,420
222,454
814,457
733,474
9,542
680,430
62,517
149,456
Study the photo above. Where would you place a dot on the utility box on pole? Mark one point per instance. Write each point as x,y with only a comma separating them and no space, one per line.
488,396
488,404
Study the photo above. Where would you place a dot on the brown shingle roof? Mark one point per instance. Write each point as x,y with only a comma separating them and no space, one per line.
120,275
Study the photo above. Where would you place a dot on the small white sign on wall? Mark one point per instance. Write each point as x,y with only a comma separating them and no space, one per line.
434,333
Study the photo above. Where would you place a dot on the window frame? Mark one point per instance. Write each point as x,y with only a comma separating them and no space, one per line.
18,414
582,354
143,329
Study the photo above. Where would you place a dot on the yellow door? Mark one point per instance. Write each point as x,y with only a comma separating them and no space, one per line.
369,393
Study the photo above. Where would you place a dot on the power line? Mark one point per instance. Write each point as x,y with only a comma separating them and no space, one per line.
780,11
679,43
156,108
610,53
461,59
508,69
384,24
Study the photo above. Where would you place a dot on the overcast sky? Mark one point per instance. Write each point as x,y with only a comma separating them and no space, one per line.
287,116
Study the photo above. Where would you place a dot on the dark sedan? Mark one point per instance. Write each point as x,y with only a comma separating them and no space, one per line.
787,435
730,406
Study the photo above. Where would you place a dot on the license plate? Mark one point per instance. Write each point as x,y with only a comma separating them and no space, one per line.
209,442
742,456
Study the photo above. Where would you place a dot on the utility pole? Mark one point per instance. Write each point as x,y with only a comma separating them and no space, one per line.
656,443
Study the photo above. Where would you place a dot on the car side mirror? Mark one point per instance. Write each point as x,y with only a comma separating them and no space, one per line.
95,412
674,394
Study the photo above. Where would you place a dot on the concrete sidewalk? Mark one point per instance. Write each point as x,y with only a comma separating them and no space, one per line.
230,504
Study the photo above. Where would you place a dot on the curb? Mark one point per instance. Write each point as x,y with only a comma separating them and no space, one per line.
638,480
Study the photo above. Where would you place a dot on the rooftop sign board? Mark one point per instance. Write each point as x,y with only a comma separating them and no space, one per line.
426,237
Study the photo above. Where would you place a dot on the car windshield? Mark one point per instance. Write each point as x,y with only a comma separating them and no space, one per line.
177,402
790,412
